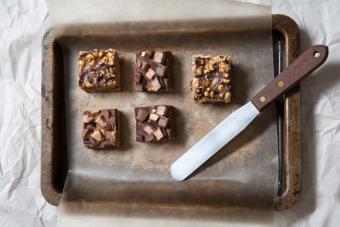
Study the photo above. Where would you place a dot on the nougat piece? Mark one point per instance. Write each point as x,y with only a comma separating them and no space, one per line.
155,123
101,129
99,70
153,71
211,81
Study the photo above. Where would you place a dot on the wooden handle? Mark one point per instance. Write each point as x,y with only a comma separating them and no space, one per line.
305,64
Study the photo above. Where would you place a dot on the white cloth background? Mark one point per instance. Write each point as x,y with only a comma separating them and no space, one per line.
21,202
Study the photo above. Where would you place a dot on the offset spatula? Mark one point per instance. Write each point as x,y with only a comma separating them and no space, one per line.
230,127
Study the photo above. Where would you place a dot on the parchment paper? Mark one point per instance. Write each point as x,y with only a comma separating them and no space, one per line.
242,174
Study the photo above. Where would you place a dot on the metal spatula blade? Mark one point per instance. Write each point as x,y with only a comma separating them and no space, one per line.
213,141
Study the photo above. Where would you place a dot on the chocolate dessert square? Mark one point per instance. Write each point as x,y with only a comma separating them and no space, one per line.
100,129
99,71
153,71
211,82
155,123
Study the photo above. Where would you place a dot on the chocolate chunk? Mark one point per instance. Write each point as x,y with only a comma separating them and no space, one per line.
97,135
87,118
100,120
107,115
154,127
110,124
199,61
154,85
160,71
91,142
90,126
163,121
149,138
86,133
211,82
150,74
158,134
159,57
145,66
104,144
147,54
153,118
142,115
215,82
111,136
149,129
99,70
161,110
152,70
102,131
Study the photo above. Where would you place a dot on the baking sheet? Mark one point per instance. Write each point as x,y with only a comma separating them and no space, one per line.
242,174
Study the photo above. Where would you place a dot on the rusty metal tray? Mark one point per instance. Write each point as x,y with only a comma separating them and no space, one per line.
54,163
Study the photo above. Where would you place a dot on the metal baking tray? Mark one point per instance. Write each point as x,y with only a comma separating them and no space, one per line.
54,163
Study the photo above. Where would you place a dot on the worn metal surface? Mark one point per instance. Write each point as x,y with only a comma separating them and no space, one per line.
290,134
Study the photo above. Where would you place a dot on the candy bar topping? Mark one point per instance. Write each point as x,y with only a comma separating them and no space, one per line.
211,82
100,129
152,71
154,123
98,70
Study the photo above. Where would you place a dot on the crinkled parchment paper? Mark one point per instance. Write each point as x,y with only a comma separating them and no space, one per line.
21,203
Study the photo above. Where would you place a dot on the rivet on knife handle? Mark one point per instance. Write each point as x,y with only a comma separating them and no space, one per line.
306,63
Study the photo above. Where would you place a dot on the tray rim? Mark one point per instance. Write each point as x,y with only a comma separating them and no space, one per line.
291,137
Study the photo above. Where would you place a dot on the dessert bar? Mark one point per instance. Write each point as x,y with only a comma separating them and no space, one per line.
99,71
153,71
100,129
155,123
211,82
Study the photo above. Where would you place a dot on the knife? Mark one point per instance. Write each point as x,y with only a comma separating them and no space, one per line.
230,127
